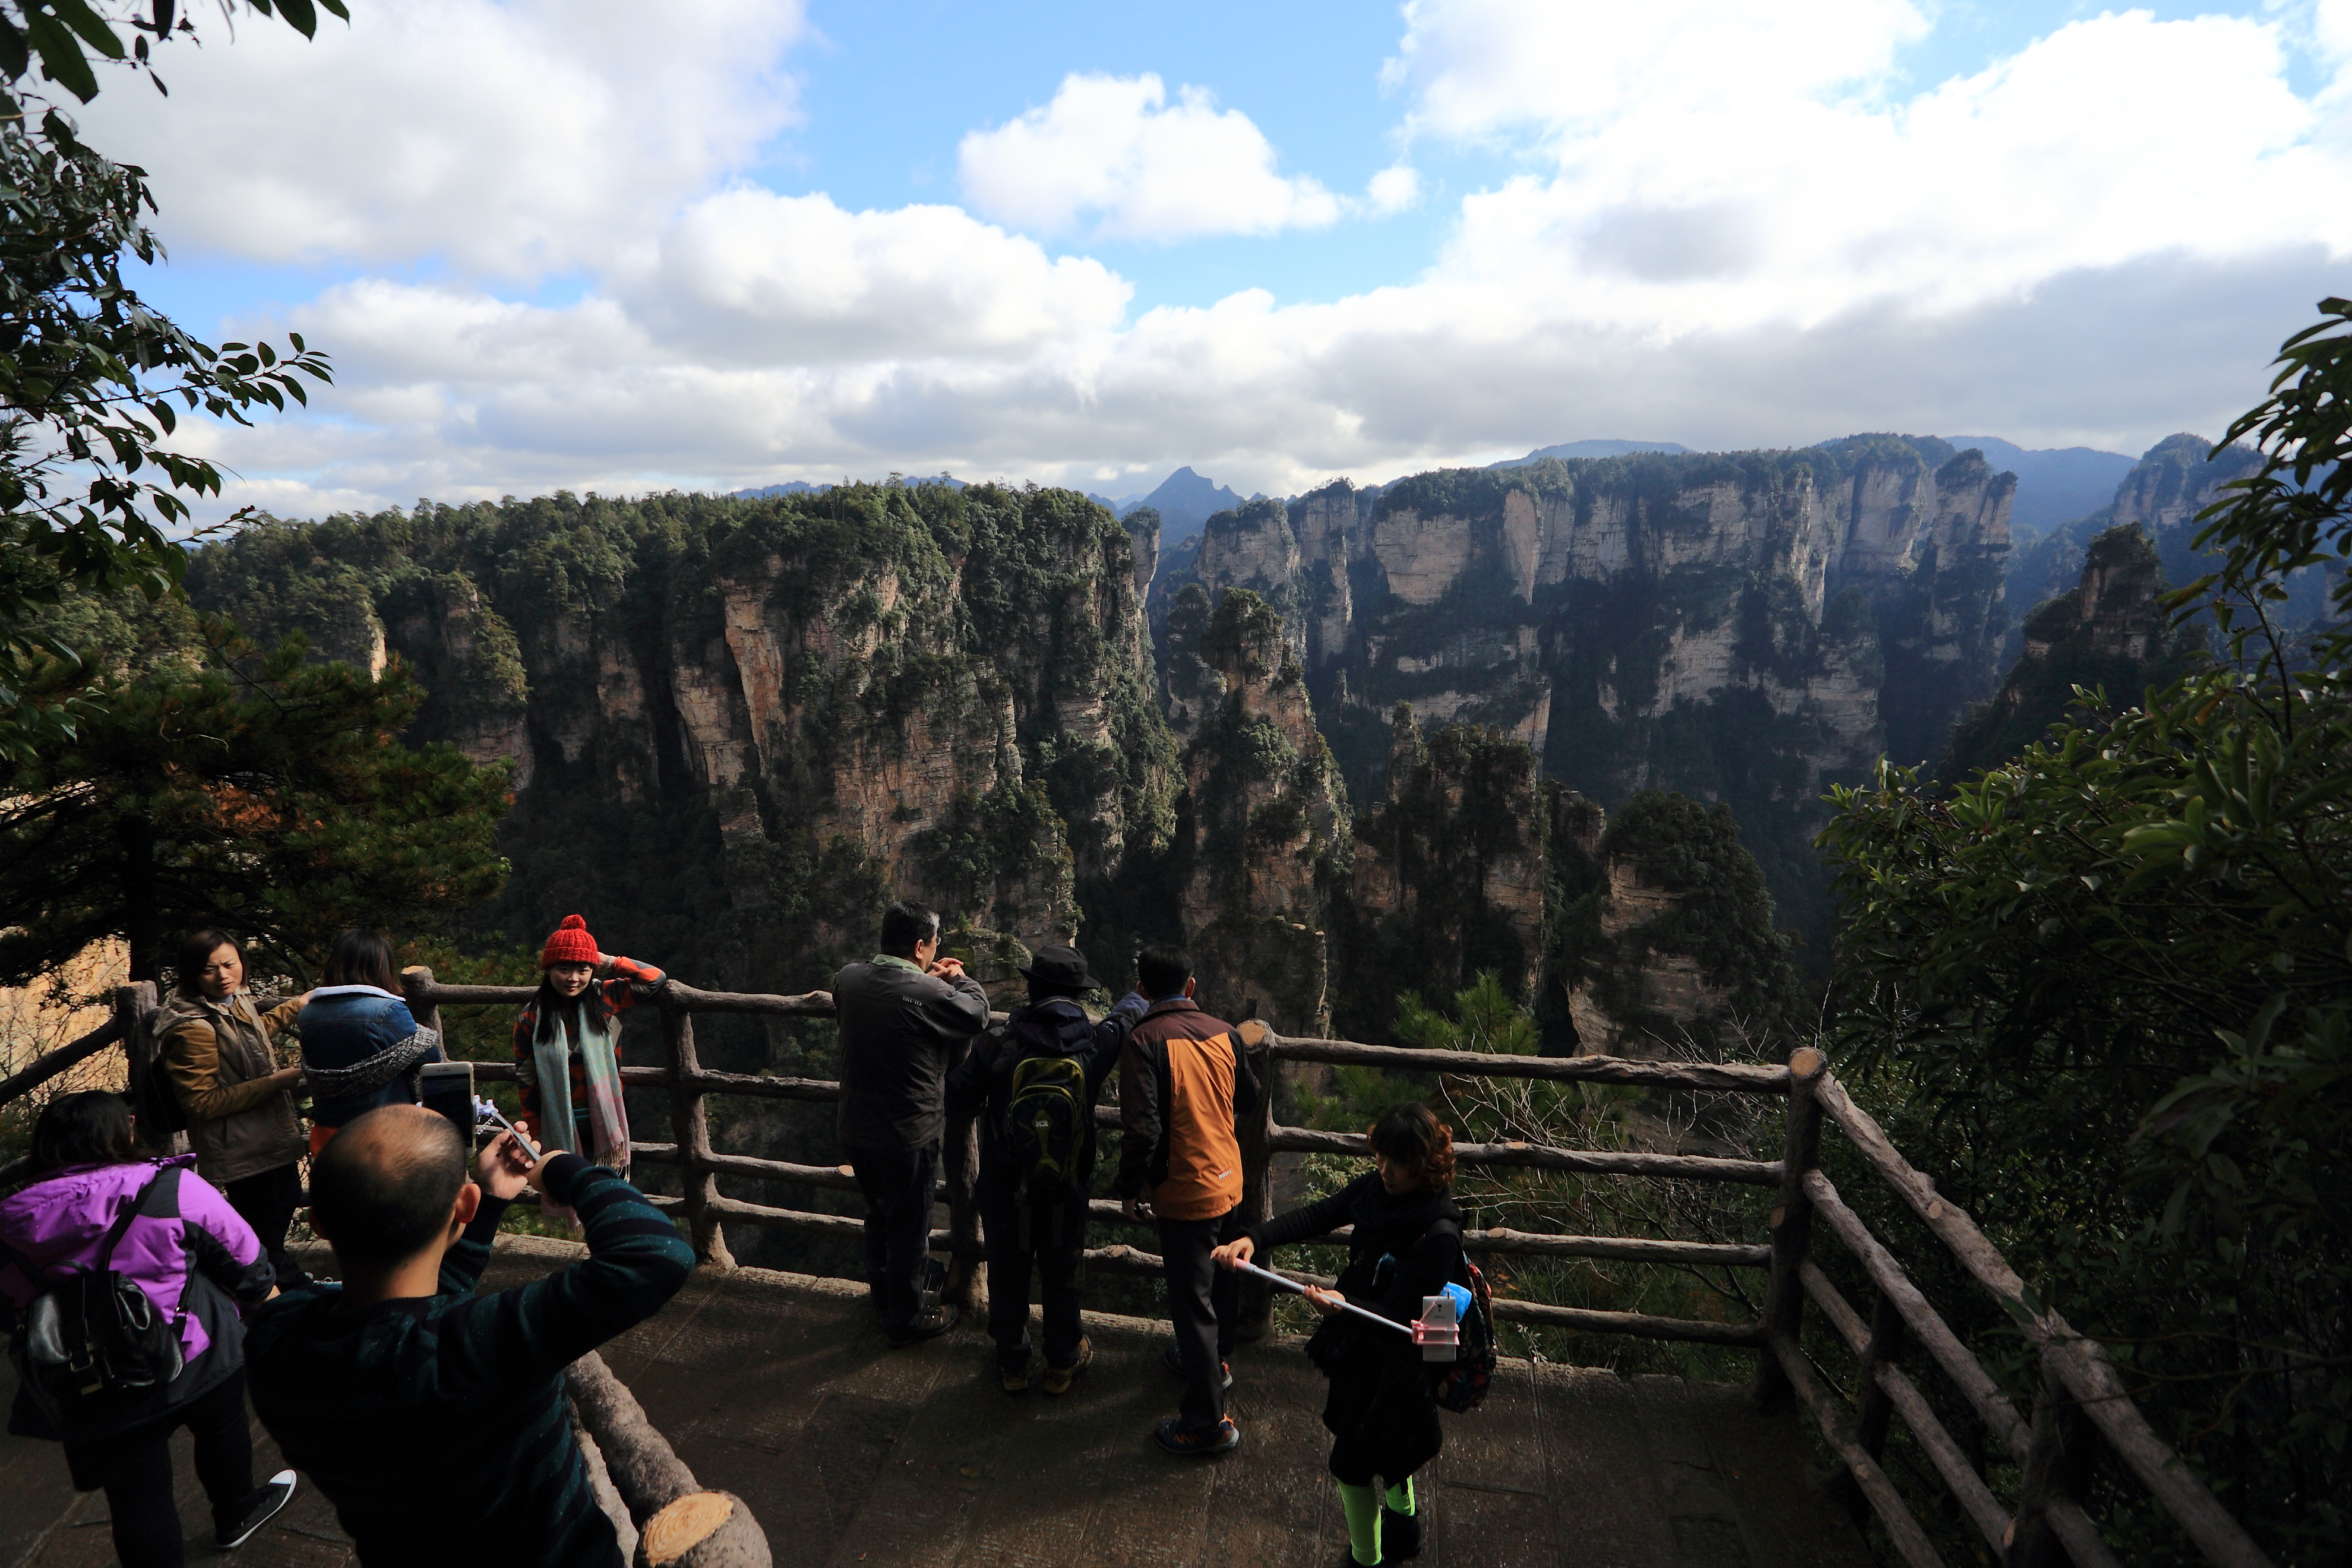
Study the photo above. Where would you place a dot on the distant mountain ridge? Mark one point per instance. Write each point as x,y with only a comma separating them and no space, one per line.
1568,451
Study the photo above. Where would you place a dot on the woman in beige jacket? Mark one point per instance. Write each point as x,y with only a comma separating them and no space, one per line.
239,1101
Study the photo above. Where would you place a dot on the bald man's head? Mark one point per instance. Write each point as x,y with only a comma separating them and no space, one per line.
384,1190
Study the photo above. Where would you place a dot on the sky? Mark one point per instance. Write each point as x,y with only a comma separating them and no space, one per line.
579,244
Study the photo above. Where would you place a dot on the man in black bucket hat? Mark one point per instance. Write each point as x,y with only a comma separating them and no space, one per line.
1037,1076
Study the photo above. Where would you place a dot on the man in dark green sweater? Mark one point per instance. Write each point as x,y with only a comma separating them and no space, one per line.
433,1417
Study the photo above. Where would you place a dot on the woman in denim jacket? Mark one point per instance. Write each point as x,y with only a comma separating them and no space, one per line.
361,1047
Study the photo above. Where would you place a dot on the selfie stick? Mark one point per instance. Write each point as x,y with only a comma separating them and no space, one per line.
1271,1277
1437,1331
485,1111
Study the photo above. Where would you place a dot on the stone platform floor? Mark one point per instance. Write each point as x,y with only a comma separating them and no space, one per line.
779,1388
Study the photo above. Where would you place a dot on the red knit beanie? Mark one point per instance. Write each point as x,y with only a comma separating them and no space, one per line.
569,943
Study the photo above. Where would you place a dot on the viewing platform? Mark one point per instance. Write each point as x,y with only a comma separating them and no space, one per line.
779,1388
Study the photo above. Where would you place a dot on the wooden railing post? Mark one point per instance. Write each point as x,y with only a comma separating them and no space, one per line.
2056,1464
1793,1221
691,1122
135,1006
1256,1306
1876,1406
416,984
960,1166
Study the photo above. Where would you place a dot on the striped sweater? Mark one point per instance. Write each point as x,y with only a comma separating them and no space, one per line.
437,1426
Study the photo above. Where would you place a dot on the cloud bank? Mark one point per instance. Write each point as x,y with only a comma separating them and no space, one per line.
1726,224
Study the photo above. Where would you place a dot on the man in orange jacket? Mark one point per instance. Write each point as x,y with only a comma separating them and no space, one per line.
1185,1084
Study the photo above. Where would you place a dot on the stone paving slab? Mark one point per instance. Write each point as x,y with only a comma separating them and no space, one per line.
781,1389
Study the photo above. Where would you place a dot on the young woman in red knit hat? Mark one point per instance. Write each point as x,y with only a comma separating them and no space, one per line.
567,1047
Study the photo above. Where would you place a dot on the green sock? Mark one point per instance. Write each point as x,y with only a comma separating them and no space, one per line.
1362,1505
1398,1498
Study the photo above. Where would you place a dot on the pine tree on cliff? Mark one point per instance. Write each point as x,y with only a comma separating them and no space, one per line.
259,793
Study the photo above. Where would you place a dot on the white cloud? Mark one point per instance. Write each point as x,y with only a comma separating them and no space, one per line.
1731,225
1115,147
749,277
510,141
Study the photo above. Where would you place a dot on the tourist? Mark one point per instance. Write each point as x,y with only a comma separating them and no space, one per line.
1407,1246
94,1206
239,1101
1184,1083
361,1048
902,1014
567,1047
1037,1078
431,1417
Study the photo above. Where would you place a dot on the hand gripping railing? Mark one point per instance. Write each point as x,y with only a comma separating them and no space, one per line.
2080,1398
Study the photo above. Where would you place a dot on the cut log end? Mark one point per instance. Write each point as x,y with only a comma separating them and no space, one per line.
1805,1061
684,1525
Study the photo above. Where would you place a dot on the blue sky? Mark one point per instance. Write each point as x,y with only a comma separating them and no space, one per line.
549,245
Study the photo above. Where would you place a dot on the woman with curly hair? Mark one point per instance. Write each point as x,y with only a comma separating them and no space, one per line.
1407,1245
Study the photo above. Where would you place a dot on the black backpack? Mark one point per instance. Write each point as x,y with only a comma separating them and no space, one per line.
1459,1384
93,1340
1047,1131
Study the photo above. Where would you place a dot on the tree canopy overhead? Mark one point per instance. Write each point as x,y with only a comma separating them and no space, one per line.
94,381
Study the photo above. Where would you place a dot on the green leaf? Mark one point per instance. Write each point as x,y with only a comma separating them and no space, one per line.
61,56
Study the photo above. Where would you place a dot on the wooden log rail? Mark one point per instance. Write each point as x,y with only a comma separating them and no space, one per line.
2081,1399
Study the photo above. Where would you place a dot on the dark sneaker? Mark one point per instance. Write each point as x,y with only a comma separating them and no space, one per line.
927,1325
260,1510
1056,1380
1400,1535
1348,1556
1016,1378
1173,1360
1199,1442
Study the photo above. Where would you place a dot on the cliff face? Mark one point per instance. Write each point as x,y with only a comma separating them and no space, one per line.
2111,632
1741,628
1447,879
1260,821
937,693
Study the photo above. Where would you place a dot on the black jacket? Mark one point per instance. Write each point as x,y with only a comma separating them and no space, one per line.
898,1028
1056,1027
1380,1392
1143,1082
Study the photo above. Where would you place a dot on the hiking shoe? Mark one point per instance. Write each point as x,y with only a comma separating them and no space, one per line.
927,1325
1400,1534
1173,1360
1199,1442
1016,1378
260,1510
1058,1378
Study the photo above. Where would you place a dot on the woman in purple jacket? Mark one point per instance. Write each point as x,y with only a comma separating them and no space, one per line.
202,1267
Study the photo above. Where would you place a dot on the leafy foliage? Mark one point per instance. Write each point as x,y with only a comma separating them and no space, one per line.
2108,986
92,381
267,797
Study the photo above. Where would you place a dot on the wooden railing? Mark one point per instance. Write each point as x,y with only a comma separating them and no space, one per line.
2080,1399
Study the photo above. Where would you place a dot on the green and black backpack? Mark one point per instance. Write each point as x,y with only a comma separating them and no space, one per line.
1048,1127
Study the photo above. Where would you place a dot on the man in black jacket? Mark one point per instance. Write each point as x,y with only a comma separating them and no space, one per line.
903,1014
1034,1217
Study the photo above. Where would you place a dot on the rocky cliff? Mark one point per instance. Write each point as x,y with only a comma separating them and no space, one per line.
1740,626
2112,633
768,712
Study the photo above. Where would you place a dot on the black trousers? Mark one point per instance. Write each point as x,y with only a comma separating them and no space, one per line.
1051,1240
134,1467
1203,1303
898,1186
266,1201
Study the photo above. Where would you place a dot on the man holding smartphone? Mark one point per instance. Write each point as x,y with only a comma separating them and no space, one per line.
904,1013
428,1414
